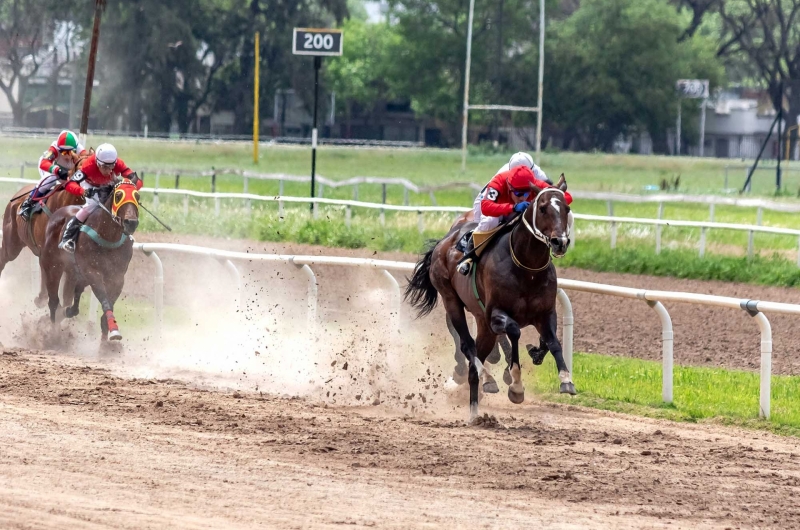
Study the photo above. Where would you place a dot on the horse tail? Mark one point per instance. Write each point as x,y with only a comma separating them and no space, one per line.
420,291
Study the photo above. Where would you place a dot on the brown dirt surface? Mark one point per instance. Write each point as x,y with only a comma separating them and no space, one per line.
82,448
243,416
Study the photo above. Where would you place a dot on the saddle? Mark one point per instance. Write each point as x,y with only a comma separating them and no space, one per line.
481,239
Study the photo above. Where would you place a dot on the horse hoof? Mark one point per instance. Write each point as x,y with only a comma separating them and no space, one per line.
494,357
568,388
114,335
39,302
516,397
458,378
71,313
537,354
490,387
507,377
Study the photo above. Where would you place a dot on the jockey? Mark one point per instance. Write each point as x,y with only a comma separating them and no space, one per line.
508,192
98,170
524,159
54,165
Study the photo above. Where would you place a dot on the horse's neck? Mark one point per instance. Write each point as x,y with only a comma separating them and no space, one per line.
528,250
104,225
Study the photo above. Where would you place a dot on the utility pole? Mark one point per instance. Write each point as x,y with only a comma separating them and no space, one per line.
465,113
99,5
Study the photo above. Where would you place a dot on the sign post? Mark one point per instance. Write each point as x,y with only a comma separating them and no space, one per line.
318,43
692,89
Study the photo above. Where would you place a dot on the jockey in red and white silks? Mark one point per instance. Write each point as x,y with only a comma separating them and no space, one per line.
100,169
54,165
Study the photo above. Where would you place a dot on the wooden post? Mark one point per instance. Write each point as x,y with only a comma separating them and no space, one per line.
87,94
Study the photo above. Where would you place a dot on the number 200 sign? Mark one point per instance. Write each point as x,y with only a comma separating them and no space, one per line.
317,41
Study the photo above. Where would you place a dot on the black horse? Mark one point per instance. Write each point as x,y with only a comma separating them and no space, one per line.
513,286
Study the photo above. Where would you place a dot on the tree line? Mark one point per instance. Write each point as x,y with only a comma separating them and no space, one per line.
610,65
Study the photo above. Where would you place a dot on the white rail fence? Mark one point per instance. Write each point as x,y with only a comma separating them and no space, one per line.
408,186
348,205
653,299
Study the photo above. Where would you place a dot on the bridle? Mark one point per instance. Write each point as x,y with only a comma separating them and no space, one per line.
534,230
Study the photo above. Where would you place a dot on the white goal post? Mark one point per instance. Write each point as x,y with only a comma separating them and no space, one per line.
512,108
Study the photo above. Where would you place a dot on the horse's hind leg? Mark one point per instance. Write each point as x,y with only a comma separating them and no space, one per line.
486,343
461,368
538,353
75,309
547,330
455,310
502,323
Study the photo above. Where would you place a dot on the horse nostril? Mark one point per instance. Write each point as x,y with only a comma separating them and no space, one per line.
130,225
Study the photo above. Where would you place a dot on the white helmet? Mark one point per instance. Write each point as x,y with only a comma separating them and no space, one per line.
520,159
106,154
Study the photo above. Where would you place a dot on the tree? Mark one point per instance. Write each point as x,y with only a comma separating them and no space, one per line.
612,69
362,75
33,33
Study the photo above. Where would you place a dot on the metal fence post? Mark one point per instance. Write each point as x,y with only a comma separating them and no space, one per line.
177,180
237,280
613,225
405,196
185,206
421,227
765,393
667,343
216,206
213,180
567,324
311,291
22,170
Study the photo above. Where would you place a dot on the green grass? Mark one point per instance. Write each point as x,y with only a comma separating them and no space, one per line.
634,258
584,171
633,386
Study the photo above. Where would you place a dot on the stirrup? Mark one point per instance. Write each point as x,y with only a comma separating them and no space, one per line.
465,266
67,246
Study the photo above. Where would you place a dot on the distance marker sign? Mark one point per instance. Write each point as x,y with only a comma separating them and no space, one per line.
308,41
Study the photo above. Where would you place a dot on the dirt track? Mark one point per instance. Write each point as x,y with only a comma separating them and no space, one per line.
84,449
83,445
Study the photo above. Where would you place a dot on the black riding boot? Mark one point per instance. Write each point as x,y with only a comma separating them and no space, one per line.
70,235
465,265
25,209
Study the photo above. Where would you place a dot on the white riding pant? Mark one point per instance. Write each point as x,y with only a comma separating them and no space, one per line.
485,222
92,204
46,182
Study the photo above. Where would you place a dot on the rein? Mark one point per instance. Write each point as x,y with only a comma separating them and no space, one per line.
534,230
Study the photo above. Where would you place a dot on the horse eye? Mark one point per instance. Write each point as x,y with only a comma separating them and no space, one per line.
118,196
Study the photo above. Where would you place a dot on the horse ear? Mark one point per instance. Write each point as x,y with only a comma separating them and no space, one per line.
562,183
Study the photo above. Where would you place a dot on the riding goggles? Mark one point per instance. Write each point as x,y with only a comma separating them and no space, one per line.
521,193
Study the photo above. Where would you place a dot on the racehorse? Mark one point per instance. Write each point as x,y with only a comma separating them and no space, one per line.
514,285
103,252
19,233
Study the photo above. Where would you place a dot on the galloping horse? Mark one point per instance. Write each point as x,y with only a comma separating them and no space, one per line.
513,286
19,233
102,254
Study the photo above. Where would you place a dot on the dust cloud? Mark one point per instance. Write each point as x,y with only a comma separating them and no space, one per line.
260,337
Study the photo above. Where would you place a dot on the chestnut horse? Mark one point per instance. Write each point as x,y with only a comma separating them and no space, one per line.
19,233
513,286
103,252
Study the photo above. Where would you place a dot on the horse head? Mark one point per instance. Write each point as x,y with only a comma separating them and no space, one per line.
125,205
549,217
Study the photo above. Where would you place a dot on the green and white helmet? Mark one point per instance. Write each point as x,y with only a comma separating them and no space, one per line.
67,141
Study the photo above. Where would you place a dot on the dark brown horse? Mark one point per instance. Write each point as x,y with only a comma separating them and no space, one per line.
19,233
103,252
516,286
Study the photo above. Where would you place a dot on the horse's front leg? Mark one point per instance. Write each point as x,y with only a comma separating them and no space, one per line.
548,332
501,323
108,324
